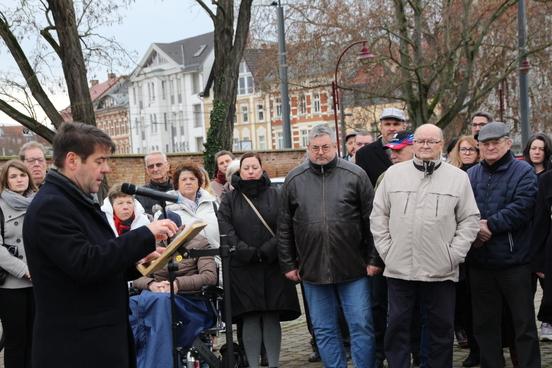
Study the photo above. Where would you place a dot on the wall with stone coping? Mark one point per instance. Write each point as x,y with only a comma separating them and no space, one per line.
130,168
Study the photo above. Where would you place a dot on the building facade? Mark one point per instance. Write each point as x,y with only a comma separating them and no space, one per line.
165,108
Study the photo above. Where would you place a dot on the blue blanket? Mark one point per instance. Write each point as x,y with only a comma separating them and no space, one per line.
151,325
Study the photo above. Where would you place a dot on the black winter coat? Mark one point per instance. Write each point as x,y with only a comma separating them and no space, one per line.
257,283
374,160
79,272
325,222
542,242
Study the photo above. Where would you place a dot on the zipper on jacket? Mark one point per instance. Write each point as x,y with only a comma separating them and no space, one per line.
437,206
324,216
406,204
450,258
511,241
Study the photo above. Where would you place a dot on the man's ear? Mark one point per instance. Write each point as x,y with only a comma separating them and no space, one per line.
72,160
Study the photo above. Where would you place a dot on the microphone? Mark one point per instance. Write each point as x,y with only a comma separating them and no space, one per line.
147,192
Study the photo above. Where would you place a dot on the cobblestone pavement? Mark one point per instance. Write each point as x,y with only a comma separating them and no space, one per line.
296,347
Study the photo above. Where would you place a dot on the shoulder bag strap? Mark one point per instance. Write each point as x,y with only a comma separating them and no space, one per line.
2,224
258,214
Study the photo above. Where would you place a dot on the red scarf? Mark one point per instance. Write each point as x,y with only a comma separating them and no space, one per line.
220,177
122,226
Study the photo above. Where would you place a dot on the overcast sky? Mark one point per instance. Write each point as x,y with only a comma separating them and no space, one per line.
145,22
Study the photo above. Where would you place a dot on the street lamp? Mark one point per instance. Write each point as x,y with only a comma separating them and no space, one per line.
364,54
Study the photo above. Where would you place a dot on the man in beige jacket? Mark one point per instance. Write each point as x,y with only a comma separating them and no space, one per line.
423,221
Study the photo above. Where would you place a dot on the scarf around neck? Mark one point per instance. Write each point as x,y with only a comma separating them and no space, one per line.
122,226
15,200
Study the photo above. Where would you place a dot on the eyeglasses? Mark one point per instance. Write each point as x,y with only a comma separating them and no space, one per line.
468,150
31,161
478,125
157,165
325,148
423,142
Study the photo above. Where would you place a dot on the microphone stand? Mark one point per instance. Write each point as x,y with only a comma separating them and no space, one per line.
225,253
172,267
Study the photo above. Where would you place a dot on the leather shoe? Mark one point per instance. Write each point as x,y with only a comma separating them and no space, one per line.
471,361
314,357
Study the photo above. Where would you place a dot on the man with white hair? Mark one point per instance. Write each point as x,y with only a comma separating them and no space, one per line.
423,221
157,168
33,155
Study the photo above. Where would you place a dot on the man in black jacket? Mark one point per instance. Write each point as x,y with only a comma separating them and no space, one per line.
373,158
325,241
157,168
79,269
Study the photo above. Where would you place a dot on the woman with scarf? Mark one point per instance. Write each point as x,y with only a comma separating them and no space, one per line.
261,295
123,211
218,185
16,293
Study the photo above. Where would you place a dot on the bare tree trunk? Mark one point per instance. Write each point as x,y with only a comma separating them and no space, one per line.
72,60
229,47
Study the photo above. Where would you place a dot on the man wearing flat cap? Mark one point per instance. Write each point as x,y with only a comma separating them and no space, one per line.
499,260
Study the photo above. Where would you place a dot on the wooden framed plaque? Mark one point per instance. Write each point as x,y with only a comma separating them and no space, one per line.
181,238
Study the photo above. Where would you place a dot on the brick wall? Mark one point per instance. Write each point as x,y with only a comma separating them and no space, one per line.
130,168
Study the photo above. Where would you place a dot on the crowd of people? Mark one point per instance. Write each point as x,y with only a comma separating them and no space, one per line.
400,247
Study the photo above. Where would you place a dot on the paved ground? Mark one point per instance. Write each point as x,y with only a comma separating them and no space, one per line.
296,347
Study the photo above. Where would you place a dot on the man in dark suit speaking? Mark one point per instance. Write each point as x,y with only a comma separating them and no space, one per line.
78,268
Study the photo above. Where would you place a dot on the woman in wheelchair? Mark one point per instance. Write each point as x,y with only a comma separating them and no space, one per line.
151,319
123,211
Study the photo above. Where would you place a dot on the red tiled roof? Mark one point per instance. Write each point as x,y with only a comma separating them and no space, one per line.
96,91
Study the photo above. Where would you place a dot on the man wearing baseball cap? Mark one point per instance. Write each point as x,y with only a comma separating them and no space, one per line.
499,260
374,159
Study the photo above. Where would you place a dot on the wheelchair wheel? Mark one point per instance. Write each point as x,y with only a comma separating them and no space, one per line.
239,361
2,337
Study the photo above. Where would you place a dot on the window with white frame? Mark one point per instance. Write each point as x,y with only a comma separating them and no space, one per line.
304,137
260,112
245,81
163,90
245,113
302,104
198,123
179,90
172,88
316,102
165,120
261,139
278,106
235,144
280,140
195,83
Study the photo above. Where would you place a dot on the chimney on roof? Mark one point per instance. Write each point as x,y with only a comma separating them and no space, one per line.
111,76
93,82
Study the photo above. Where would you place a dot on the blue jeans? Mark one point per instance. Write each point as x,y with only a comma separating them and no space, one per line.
323,302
